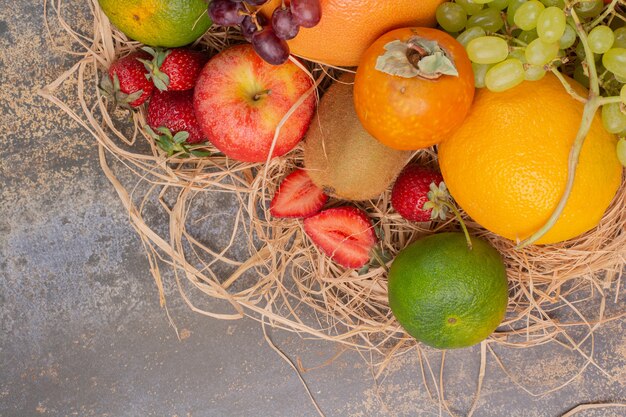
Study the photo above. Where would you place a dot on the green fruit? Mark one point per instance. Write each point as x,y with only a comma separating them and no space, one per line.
446,295
167,23
341,157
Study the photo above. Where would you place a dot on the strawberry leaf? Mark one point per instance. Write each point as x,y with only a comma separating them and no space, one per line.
165,131
161,81
200,154
181,137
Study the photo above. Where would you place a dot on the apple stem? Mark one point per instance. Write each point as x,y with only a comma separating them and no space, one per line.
258,96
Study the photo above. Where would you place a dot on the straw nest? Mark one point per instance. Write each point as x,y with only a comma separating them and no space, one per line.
558,293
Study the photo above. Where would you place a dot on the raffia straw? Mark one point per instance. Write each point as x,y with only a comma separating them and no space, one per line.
297,288
585,407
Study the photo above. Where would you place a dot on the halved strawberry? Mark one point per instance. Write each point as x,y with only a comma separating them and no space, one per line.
345,234
297,196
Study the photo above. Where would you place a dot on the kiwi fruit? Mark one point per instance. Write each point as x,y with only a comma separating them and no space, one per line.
341,157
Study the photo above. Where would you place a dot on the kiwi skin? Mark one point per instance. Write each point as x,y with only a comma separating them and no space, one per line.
341,157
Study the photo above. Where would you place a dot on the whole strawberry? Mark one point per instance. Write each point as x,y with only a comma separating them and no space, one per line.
127,83
174,69
410,192
174,110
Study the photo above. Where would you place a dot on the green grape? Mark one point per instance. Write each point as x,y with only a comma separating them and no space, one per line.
533,72
621,151
489,19
615,61
451,17
527,14
580,76
487,50
620,79
470,6
471,33
499,4
613,119
540,53
510,12
556,3
588,8
601,39
568,38
505,75
480,70
518,54
527,36
482,1
622,94
620,37
551,24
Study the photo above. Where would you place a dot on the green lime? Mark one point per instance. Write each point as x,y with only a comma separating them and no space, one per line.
446,295
168,23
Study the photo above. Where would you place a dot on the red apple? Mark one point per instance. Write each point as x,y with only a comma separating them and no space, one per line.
239,101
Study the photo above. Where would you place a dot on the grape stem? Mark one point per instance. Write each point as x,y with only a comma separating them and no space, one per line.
592,104
609,100
604,15
567,85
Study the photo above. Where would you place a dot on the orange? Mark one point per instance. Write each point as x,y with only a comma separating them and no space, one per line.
168,23
447,295
348,27
507,164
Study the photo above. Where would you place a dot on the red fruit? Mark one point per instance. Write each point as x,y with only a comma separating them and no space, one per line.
174,110
297,196
131,74
175,69
241,99
410,191
345,234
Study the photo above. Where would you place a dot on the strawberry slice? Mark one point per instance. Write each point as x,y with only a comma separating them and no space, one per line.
345,234
297,196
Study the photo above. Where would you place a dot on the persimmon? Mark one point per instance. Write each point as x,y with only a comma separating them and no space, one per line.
413,88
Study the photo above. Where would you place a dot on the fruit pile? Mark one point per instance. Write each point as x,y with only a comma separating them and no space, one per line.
480,97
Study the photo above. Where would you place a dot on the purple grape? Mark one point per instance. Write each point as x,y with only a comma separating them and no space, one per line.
270,47
284,24
256,2
226,12
307,13
248,28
